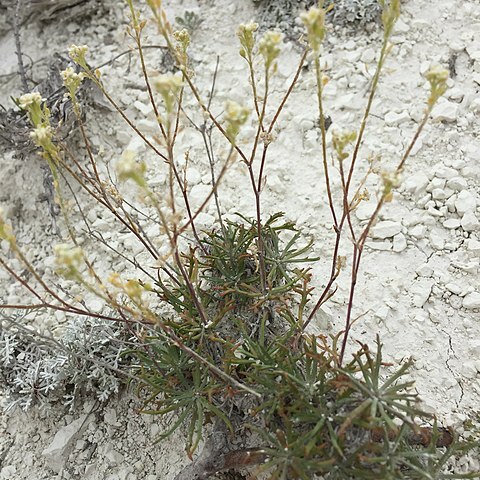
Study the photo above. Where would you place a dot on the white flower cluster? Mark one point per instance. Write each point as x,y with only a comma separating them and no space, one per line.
72,79
129,169
78,53
29,99
269,47
42,134
314,21
68,259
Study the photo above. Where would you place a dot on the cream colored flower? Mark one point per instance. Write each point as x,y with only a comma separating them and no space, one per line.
72,79
42,134
68,259
314,21
25,101
437,76
6,232
269,47
78,53
235,115
129,169
168,86
246,35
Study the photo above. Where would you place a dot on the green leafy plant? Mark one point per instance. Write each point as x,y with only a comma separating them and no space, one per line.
190,21
219,317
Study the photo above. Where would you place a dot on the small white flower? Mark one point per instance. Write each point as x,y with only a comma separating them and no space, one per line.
269,47
69,75
129,168
6,232
236,113
68,259
168,83
77,53
42,134
314,21
29,99
249,27
245,34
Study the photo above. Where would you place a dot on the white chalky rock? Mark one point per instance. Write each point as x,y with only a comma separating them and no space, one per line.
457,183
94,304
101,225
145,109
438,194
473,50
456,94
469,369
418,231
416,183
55,454
436,240
465,202
470,222
416,147
199,193
455,288
110,417
473,245
450,203
133,245
393,119
471,300
399,243
148,126
386,229
113,457
424,270
436,183
475,105
383,246
365,210
445,112
401,27
205,220
124,136
451,223
435,213
441,171
368,55
193,176
382,312
421,290
8,472
136,144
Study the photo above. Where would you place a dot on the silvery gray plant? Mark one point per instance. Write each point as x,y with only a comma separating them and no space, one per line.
355,12
37,370
342,12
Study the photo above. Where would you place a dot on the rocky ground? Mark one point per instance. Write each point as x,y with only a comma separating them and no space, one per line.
419,286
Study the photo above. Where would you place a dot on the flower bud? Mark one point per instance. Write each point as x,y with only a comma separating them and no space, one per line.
68,260
269,47
129,169
235,116
314,21
77,54
246,35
